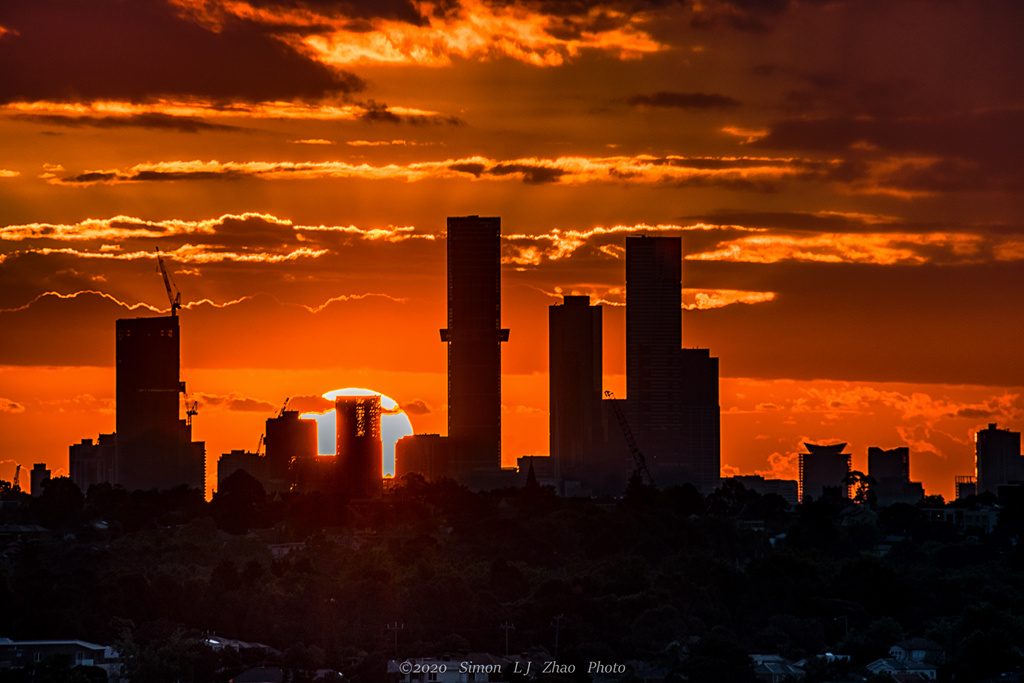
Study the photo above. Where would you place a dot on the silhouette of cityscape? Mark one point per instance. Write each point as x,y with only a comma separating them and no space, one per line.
667,429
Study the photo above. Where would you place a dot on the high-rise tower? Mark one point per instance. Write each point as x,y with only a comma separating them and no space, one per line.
474,335
574,371
654,327
154,448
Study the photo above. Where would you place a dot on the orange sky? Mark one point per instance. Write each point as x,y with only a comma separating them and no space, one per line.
845,176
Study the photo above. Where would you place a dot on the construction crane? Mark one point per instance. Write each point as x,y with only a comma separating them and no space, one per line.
634,450
173,295
280,413
190,410
17,476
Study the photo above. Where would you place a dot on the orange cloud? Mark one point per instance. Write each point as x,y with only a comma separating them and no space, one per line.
875,248
5,173
476,30
720,298
9,406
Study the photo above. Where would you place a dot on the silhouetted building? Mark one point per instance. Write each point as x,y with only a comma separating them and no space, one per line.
654,328
288,437
474,335
672,393
40,475
92,463
891,471
254,464
998,458
966,485
822,470
574,373
360,453
154,448
423,453
700,414
787,489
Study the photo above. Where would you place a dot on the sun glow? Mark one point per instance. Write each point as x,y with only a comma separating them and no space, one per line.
394,424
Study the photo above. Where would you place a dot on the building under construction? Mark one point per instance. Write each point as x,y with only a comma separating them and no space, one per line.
152,445
359,468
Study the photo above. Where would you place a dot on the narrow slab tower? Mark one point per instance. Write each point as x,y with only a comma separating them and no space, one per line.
474,335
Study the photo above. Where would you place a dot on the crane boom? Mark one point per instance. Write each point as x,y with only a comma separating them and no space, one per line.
173,295
634,450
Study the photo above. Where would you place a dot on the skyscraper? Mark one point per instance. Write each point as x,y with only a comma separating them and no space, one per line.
474,335
672,393
998,456
654,327
574,373
154,448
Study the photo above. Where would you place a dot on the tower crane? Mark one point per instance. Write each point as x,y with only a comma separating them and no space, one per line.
190,410
284,407
17,476
634,450
173,295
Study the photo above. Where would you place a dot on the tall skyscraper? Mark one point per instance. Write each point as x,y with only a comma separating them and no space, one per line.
654,327
574,372
360,453
474,335
823,468
154,448
998,458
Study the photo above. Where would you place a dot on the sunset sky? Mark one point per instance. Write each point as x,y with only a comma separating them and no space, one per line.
846,177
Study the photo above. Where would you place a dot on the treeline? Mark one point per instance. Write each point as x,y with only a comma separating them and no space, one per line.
687,583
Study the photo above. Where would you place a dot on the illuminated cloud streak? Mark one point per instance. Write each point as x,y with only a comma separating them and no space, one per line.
752,173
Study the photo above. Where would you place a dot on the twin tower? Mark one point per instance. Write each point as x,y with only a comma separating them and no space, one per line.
671,410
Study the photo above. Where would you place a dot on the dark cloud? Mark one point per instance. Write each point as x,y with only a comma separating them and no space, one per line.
974,413
684,100
397,10
532,175
474,169
377,112
182,124
416,407
106,49
971,151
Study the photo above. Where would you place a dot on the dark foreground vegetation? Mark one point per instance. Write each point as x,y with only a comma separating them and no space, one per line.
686,583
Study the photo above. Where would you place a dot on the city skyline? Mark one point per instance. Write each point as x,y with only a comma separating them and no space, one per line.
852,241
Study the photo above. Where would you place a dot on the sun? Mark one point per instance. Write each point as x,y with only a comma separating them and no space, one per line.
394,424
